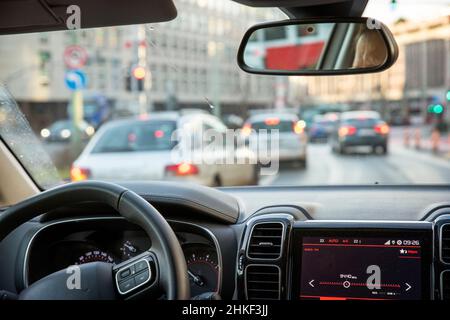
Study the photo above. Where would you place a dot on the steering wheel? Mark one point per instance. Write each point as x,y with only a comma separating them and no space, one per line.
160,269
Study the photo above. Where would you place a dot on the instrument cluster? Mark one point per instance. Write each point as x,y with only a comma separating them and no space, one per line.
56,250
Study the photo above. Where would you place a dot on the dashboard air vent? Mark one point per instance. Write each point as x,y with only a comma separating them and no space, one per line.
263,282
445,243
265,241
445,283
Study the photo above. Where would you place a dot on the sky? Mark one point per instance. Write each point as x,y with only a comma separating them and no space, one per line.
410,9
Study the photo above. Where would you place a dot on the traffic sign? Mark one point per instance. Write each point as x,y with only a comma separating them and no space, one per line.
75,80
75,57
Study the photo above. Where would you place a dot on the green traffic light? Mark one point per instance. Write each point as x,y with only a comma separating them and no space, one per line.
448,95
393,4
438,108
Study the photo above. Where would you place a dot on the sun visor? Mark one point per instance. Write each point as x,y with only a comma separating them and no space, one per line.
23,16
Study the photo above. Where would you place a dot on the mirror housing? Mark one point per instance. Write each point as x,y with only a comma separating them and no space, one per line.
319,46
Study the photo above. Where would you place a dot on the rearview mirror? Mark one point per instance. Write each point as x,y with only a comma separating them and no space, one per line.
318,47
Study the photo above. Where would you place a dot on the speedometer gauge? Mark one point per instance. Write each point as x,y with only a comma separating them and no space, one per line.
94,256
203,269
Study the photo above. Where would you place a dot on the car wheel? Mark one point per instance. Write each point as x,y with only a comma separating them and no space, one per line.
302,163
380,149
255,177
342,149
217,181
333,148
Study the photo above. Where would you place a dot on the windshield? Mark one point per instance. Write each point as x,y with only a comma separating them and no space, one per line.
274,123
167,101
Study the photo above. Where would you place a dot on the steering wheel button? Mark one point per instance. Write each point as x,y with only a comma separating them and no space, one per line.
140,265
124,273
142,277
127,285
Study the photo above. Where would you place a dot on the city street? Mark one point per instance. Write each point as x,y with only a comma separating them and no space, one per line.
399,166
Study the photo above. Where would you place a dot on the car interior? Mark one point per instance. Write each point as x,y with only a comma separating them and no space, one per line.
174,240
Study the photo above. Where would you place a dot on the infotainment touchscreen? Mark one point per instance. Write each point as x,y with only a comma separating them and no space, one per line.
362,267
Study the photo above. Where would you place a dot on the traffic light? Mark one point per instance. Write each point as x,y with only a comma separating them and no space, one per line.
139,73
135,80
394,4
436,108
448,96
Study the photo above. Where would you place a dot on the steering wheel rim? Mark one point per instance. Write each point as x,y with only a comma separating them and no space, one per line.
172,276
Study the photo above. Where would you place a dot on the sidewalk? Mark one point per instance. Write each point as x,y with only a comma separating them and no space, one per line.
422,139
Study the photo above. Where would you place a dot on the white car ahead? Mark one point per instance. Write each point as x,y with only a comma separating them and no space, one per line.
143,149
292,142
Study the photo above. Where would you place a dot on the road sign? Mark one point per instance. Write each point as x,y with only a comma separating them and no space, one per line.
75,80
75,57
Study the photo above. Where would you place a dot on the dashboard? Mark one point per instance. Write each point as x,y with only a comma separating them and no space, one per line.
261,243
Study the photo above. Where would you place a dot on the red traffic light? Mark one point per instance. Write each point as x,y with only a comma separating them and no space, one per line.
138,72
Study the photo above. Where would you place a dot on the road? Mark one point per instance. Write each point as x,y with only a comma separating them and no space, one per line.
399,166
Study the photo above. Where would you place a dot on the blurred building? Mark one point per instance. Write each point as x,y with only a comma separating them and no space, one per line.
189,62
420,76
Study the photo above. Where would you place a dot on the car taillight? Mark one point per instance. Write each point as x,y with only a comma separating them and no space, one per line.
346,131
182,169
298,127
382,129
247,129
79,174
159,134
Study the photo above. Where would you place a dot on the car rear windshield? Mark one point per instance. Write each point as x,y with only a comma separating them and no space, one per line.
148,136
273,124
324,123
366,122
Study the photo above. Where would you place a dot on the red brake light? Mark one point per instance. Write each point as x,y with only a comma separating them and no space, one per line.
382,129
272,121
182,169
79,174
159,134
347,131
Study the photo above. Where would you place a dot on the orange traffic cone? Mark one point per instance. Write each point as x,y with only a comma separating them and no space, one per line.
435,140
406,137
417,138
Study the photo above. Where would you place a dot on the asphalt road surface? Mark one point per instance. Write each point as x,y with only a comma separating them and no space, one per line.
399,166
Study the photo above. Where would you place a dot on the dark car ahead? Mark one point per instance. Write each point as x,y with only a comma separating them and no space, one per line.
358,129
322,127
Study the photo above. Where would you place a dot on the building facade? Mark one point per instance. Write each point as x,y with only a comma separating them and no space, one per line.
189,62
